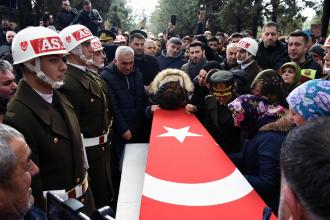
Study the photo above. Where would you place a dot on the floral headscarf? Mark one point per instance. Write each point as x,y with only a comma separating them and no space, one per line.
311,99
252,112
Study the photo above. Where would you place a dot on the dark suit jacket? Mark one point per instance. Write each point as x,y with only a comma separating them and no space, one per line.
252,71
88,93
53,134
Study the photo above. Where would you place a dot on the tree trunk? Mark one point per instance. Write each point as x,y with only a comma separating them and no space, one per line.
256,16
25,13
325,18
274,4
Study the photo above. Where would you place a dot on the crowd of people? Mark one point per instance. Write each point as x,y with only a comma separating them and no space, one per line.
72,95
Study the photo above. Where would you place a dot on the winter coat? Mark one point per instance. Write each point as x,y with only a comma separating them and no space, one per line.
165,62
259,160
272,58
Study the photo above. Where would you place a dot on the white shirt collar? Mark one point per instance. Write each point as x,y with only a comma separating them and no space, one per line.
47,97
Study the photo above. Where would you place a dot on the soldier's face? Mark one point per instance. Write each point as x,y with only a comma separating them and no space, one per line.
99,57
125,63
87,49
53,66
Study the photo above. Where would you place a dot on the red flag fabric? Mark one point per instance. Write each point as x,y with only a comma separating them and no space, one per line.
188,176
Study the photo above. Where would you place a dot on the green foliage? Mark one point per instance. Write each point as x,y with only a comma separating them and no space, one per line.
186,12
120,15
232,15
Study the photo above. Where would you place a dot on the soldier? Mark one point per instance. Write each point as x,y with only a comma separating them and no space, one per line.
218,119
46,118
88,94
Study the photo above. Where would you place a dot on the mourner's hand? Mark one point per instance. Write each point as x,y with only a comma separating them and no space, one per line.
154,108
127,135
190,108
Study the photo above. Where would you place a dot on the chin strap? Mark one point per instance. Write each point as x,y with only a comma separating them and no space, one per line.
78,51
42,76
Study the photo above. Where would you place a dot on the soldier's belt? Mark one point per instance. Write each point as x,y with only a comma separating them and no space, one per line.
89,142
75,192
79,190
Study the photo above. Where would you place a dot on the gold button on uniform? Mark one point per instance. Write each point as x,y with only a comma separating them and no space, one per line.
92,100
82,200
78,180
55,140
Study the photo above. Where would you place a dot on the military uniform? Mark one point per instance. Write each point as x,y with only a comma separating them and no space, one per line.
89,95
218,118
53,134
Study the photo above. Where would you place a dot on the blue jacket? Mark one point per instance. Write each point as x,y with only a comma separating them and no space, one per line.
165,62
259,163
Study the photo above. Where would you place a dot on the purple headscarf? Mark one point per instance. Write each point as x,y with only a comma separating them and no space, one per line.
252,112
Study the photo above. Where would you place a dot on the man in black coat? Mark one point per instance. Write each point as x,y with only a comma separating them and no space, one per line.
89,17
272,52
65,16
128,101
144,63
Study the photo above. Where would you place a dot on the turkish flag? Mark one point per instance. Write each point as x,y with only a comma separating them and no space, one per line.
188,176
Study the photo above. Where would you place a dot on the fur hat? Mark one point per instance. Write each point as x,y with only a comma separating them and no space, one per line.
171,89
171,75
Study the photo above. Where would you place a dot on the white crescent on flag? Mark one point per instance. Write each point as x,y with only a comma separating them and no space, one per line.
188,176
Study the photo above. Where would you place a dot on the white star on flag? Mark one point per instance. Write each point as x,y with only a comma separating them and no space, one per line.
180,134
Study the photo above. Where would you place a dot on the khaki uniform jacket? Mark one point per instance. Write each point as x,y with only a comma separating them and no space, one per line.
89,95
53,134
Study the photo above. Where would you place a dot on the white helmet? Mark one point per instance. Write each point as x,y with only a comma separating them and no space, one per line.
96,44
249,45
33,42
73,35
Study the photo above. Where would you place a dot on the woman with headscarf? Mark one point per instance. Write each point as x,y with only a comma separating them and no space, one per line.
269,84
259,157
309,100
290,73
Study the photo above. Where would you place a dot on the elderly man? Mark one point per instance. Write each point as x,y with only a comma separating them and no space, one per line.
88,94
128,96
16,172
272,52
230,62
8,85
305,185
247,48
172,56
